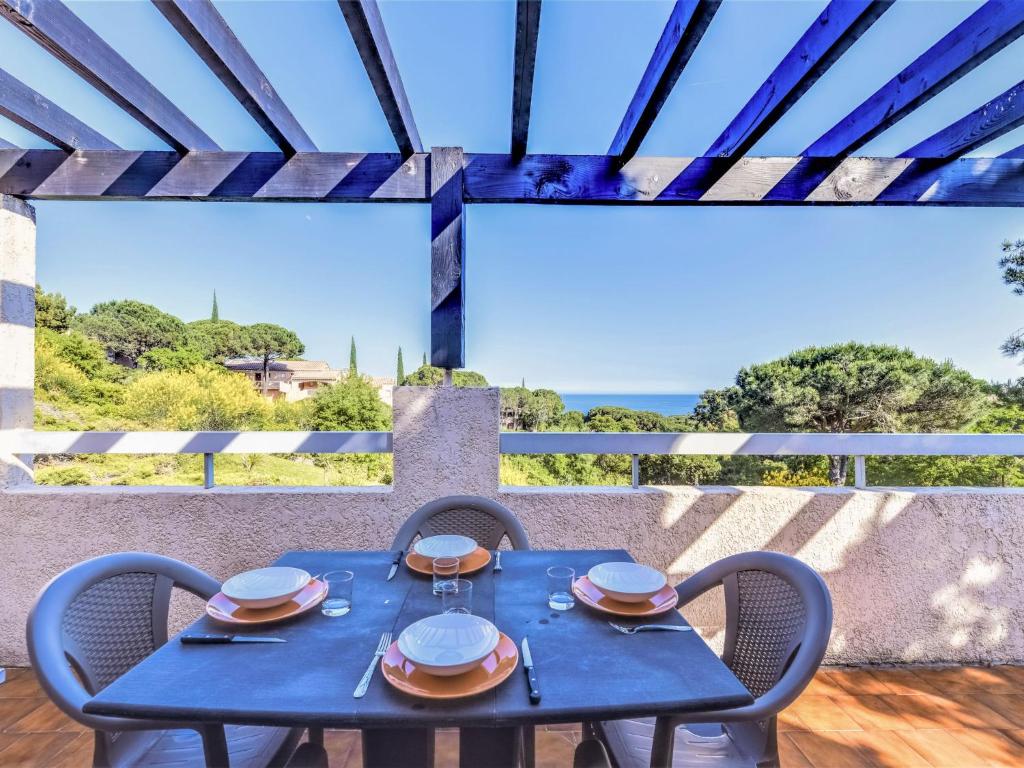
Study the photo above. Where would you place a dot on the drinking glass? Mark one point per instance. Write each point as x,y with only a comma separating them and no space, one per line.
560,596
446,569
457,596
339,593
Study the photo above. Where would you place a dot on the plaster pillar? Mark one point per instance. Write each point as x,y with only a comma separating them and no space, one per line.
17,329
445,442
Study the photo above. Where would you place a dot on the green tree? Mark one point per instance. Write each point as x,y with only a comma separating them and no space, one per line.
431,376
1012,264
424,359
217,340
180,359
530,410
855,388
353,368
214,313
128,329
53,311
270,342
400,373
350,404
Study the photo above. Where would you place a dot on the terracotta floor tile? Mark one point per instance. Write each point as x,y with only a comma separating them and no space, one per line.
972,712
562,727
858,681
446,749
20,683
924,711
78,754
340,745
1010,706
886,749
829,750
45,717
1012,673
790,755
35,750
555,749
823,685
902,681
960,679
789,720
872,713
993,746
820,713
941,749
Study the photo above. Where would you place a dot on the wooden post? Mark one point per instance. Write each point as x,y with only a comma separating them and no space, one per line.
447,259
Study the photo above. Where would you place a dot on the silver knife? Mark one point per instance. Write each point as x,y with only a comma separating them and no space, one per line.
394,565
212,639
531,673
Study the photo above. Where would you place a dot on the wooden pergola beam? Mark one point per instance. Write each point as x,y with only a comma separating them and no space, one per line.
828,37
203,28
981,35
52,174
447,258
527,30
988,122
685,28
371,39
52,24
36,113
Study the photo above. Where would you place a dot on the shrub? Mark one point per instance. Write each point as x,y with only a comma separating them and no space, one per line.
199,399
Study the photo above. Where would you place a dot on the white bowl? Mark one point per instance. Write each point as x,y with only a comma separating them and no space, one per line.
445,546
449,644
265,587
627,582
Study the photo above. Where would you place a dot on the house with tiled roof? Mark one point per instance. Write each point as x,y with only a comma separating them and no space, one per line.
288,379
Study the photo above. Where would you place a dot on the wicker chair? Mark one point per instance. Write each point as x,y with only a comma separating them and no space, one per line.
778,621
106,615
480,518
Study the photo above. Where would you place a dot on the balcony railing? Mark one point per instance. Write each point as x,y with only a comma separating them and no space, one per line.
858,445
635,444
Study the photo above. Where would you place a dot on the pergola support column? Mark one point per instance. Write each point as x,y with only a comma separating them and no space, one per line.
447,258
17,329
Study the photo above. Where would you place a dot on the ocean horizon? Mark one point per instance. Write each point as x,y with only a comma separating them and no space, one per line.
667,404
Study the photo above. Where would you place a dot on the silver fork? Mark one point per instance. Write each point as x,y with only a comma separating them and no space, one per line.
364,684
648,628
497,561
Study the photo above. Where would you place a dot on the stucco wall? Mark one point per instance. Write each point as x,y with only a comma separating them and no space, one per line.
916,575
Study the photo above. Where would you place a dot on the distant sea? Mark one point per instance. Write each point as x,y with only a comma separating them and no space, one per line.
667,405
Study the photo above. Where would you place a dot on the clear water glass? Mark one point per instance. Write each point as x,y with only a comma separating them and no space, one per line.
457,596
339,593
446,569
560,596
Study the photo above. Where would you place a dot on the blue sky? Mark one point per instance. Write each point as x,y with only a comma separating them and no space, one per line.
576,298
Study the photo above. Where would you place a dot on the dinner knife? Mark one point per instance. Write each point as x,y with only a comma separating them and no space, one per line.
394,565
211,639
531,673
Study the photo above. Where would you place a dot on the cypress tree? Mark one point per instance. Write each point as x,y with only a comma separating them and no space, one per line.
353,369
424,359
401,369
215,314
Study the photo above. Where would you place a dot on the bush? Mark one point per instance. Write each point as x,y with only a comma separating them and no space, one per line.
351,404
63,476
199,399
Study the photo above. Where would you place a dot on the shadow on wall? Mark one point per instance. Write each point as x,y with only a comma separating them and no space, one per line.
915,577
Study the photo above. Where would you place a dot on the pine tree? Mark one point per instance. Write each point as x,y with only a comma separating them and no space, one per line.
424,359
353,369
215,314
401,369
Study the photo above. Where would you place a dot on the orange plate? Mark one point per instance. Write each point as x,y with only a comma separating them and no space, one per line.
664,600
222,609
493,670
471,563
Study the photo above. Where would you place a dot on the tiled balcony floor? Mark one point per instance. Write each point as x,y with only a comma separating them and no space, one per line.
961,717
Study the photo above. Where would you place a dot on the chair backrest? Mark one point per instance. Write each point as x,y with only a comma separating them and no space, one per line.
778,622
480,518
103,616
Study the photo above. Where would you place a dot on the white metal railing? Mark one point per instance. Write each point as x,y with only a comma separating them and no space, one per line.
858,445
26,441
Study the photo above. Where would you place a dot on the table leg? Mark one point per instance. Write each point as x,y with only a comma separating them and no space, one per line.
390,747
215,746
488,747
